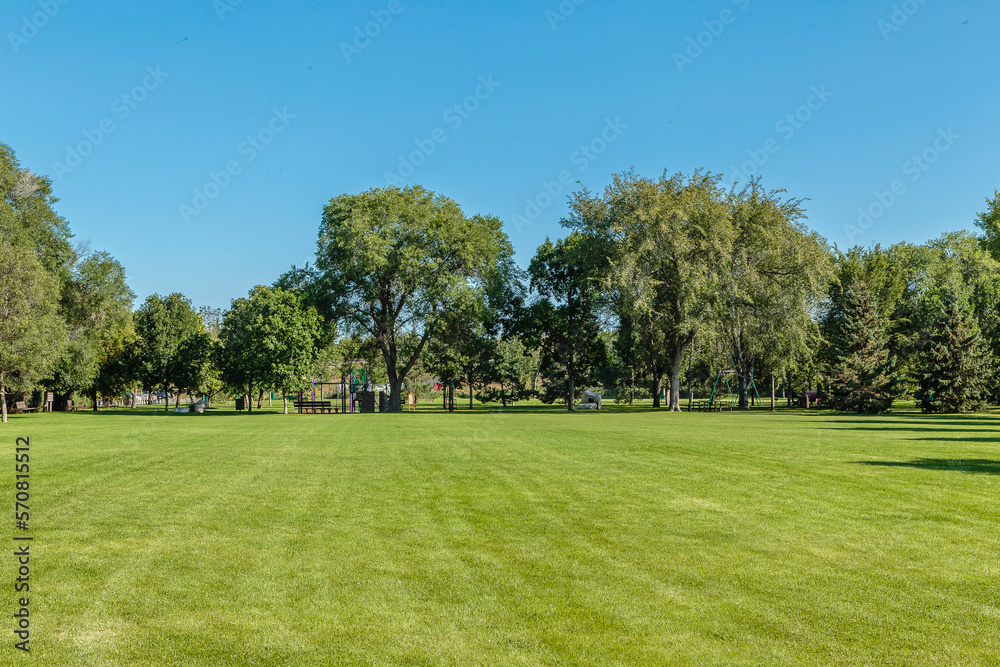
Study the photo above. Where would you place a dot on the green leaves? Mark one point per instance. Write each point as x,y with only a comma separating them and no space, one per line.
31,332
267,341
863,373
393,259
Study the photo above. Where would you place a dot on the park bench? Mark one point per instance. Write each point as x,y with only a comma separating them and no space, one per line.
21,407
314,407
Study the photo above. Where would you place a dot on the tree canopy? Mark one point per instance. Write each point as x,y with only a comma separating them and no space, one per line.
393,259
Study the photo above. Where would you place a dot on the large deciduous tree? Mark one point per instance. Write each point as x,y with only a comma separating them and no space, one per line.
31,331
666,239
563,323
96,305
164,327
393,259
774,277
268,341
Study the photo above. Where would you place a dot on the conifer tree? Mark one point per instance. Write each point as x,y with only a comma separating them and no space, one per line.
863,372
952,375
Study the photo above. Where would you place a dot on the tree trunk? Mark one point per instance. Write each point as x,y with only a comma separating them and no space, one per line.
260,399
177,399
269,398
3,400
675,380
395,389
166,399
93,396
470,393
772,392
690,365
285,399
657,388
570,391
135,399
248,399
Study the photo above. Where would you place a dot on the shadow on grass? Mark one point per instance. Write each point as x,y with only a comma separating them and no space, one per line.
973,466
144,411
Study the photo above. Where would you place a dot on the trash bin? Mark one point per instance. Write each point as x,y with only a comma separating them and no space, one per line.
240,406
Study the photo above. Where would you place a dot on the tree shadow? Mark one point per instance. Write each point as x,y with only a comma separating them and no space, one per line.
971,466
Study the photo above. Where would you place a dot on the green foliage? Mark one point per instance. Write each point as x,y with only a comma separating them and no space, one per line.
862,373
394,259
28,220
989,222
665,240
166,357
31,332
268,341
952,377
96,305
563,323
775,276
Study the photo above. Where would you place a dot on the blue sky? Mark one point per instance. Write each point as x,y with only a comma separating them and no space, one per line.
198,140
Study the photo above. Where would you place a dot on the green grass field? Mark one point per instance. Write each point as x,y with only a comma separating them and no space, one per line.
519,537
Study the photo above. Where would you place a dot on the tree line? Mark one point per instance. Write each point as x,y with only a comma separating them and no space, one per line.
657,286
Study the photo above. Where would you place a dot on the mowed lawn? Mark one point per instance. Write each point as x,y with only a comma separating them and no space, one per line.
518,537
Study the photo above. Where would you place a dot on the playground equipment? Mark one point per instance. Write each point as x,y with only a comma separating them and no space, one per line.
733,398
354,393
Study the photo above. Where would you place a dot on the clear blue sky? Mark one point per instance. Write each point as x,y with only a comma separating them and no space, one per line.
183,85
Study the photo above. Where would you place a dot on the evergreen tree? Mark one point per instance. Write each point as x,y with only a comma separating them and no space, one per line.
863,372
952,377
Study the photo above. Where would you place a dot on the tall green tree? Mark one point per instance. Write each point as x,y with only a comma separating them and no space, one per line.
31,332
564,322
666,239
951,375
393,259
163,327
774,278
863,372
96,305
268,342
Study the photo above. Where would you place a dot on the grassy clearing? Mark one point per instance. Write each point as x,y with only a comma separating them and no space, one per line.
515,537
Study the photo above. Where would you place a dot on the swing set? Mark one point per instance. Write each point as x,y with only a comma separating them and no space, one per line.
733,398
